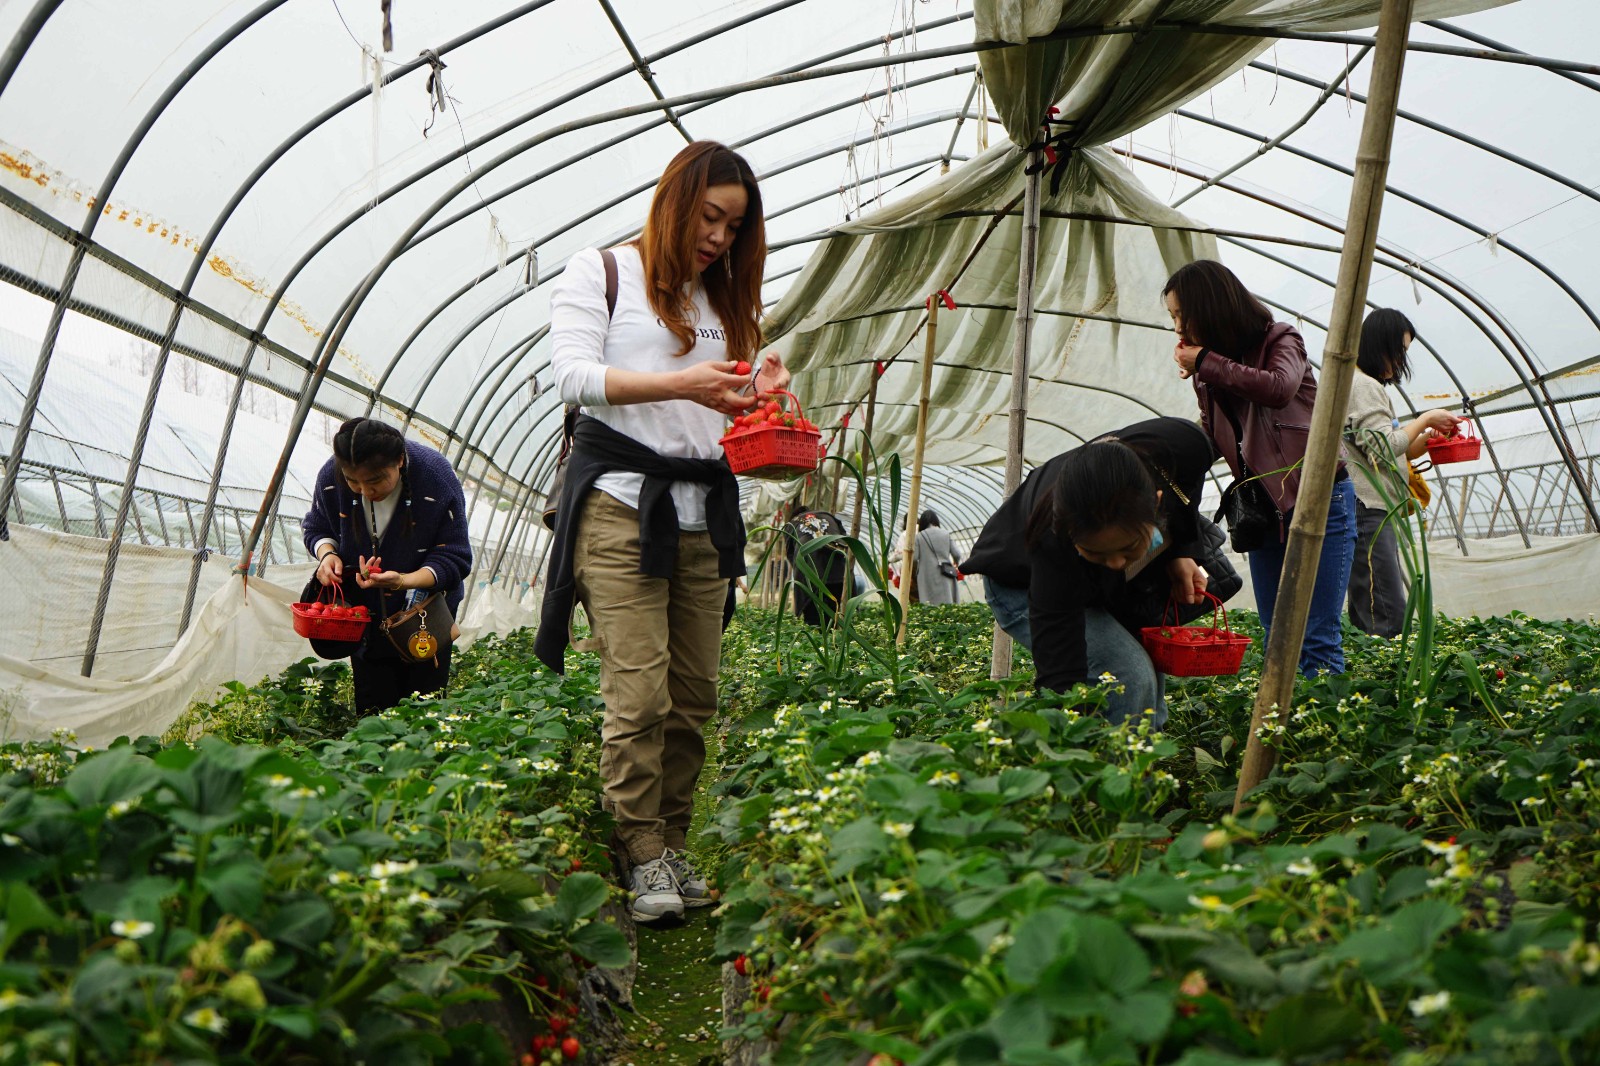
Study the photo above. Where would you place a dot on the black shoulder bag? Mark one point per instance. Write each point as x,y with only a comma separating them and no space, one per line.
1253,519
569,418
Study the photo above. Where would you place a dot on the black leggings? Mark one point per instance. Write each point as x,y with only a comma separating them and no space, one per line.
382,683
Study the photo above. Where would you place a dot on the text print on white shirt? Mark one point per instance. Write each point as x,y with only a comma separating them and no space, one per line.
705,333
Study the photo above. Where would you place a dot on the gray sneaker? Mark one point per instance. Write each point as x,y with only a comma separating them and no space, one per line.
691,884
655,892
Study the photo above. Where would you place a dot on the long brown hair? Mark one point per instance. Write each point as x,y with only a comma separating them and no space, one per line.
667,247
1219,313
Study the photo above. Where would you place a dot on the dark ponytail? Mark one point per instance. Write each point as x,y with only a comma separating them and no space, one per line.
366,442
1102,485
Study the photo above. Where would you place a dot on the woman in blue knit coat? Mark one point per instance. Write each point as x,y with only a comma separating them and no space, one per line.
383,498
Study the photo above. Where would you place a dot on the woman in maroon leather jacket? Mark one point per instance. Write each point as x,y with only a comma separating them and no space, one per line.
1256,390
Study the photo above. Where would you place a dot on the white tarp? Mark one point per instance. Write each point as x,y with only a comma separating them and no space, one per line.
1553,579
143,679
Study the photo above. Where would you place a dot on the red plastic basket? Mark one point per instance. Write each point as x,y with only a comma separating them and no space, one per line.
774,452
322,627
1196,651
1456,448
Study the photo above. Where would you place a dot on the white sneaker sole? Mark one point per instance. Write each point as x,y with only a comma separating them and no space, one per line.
698,901
647,917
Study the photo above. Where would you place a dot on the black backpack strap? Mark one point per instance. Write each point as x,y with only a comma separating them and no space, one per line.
610,261
570,419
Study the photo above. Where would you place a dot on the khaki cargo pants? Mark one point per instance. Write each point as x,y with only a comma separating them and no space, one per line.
660,644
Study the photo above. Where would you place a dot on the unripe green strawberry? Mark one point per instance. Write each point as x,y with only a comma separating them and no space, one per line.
244,990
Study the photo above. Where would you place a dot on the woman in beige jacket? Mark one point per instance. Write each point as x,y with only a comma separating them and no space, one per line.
1380,447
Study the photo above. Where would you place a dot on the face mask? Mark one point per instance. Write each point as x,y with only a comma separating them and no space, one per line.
1156,540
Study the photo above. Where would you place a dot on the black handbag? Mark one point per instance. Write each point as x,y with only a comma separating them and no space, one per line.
1222,579
948,569
419,633
1253,518
569,418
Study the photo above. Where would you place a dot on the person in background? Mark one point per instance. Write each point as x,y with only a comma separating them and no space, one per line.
828,566
648,533
390,514
1380,450
1087,550
934,567
1256,390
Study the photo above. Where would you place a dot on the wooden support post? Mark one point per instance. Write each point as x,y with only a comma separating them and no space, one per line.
1022,345
1274,701
908,551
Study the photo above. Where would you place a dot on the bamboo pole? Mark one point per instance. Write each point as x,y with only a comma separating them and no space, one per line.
1309,527
866,442
908,551
1001,650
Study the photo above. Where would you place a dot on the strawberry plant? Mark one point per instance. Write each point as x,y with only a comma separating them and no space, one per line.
941,869
331,900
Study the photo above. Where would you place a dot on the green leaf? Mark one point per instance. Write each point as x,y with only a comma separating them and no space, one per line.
602,944
1305,1025
1203,1057
1144,1016
430,978
1419,925
102,981
25,913
736,930
139,898
238,885
1404,884
883,1043
298,1022
1017,783
1042,939
1020,1023
303,924
111,776
460,944
860,842
1113,959
1236,964
509,885
581,896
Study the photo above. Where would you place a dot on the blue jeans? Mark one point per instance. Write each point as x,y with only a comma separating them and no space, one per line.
1111,650
1324,644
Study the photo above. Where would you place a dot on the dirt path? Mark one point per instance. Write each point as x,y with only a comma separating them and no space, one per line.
677,994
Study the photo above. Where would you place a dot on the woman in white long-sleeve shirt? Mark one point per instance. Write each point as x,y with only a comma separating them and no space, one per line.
1380,448
657,534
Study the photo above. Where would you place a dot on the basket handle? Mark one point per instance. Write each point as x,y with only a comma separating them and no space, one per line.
1219,613
792,396
334,592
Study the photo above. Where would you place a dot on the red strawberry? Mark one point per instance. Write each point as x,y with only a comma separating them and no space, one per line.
558,1024
570,1048
742,369
741,966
